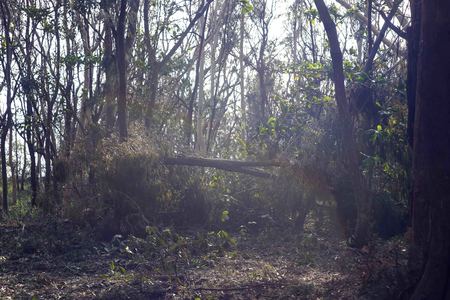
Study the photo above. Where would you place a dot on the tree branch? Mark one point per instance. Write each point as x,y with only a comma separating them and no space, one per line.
177,45
364,19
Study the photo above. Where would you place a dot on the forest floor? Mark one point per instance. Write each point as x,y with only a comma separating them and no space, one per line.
57,260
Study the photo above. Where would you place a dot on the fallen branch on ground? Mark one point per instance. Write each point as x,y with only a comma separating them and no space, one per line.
244,287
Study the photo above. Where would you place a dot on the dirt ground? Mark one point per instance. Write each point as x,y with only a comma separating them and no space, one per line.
57,260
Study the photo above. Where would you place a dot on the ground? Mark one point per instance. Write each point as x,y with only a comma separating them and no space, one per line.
58,260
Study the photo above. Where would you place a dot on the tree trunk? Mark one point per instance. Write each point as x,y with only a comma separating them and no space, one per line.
197,81
29,118
110,70
23,175
6,119
350,157
4,174
431,154
200,144
68,109
153,67
417,247
122,119
12,166
242,76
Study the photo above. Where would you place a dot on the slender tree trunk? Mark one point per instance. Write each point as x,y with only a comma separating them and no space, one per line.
190,113
24,169
431,154
153,67
369,27
350,157
17,162
242,76
261,70
4,174
109,66
29,115
122,118
7,117
69,109
86,107
12,166
200,144
124,41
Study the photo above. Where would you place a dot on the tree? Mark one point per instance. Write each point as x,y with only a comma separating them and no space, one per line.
6,117
362,99
350,155
28,84
124,42
431,153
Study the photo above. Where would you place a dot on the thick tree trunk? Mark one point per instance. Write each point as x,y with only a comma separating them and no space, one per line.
419,221
413,40
431,156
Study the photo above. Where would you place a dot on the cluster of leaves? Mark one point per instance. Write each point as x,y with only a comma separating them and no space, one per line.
170,249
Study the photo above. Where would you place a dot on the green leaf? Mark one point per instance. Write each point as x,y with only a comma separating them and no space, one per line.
379,127
223,234
225,216
271,122
247,7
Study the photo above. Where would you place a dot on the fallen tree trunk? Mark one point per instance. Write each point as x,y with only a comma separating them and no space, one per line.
239,166
307,174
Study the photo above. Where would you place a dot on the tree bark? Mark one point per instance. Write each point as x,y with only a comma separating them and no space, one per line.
418,217
431,154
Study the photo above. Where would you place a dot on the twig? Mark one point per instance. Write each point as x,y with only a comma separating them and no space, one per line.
244,287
